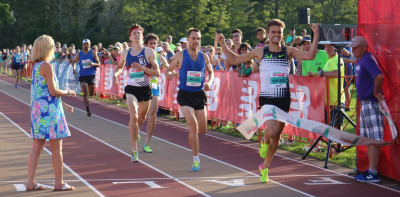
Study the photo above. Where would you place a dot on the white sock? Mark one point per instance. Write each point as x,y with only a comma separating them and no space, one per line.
196,158
374,172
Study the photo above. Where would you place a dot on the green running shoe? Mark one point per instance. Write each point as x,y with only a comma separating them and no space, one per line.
135,157
263,150
195,167
264,174
147,149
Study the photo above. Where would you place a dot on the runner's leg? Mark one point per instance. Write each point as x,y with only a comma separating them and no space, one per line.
133,104
189,114
272,136
151,124
201,117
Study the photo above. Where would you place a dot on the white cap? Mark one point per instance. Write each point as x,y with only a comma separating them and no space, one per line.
358,40
183,40
86,40
159,49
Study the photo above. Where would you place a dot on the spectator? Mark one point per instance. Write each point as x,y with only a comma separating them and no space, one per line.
330,69
57,51
169,40
289,39
303,32
45,125
294,64
167,49
210,53
314,65
160,51
244,48
183,43
177,48
262,36
99,46
105,57
246,70
218,61
237,38
203,49
115,55
64,53
125,46
369,80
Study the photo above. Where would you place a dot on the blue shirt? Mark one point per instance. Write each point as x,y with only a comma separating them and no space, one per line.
189,65
366,71
17,60
84,64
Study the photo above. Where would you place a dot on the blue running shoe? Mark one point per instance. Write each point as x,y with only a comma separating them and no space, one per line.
15,86
195,167
368,177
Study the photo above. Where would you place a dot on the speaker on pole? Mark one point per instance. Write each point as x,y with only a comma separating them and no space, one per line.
304,16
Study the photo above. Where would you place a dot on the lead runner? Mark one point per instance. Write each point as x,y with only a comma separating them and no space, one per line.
274,70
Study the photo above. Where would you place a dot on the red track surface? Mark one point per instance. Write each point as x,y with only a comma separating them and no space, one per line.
92,159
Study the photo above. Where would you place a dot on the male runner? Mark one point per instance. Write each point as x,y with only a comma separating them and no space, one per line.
191,96
274,70
141,64
88,61
150,41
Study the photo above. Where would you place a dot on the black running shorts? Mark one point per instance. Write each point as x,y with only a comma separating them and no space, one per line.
196,100
141,93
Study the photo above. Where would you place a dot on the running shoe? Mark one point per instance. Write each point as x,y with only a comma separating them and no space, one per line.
195,167
147,149
89,114
135,157
368,177
15,86
264,174
263,150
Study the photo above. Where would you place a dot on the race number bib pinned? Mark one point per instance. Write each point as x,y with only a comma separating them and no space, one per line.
193,78
278,79
86,64
142,61
136,76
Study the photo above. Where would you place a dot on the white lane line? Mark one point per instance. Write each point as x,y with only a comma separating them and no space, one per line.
115,148
65,165
288,158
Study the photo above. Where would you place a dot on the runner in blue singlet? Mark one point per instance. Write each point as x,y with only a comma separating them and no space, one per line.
191,96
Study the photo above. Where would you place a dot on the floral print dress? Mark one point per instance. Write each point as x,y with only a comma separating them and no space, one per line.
47,114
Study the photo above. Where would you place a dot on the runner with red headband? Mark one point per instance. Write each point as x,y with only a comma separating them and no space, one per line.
140,63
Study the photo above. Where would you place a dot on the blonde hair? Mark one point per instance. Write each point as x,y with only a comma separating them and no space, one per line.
43,49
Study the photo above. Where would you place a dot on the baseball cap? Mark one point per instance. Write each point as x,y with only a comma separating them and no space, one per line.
183,40
158,49
86,40
116,47
306,39
358,40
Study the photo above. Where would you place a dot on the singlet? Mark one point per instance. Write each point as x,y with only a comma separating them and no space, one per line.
154,79
191,74
84,64
17,60
25,56
137,77
274,73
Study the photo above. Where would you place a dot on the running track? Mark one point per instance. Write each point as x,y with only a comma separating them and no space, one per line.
97,160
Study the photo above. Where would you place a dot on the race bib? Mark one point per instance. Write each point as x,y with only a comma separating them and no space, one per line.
278,79
18,60
86,63
136,76
193,78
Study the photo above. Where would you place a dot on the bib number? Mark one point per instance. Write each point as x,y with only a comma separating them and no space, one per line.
193,78
278,79
136,76
86,64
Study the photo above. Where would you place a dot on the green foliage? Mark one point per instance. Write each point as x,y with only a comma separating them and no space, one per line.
108,21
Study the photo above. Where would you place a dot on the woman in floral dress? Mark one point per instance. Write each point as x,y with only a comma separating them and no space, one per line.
47,114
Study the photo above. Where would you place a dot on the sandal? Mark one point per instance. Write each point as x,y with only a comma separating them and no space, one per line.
65,187
37,187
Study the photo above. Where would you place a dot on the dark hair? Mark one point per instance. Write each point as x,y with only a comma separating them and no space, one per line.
261,30
236,31
192,30
275,22
149,37
135,26
245,45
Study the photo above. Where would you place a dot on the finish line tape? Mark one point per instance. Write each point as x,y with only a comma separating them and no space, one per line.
270,112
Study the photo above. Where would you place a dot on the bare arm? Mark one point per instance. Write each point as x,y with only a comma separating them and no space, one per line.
46,70
378,81
74,61
235,59
96,59
151,58
347,60
209,69
302,55
164,63
120,65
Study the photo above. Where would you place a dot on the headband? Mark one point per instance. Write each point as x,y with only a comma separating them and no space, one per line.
140,29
